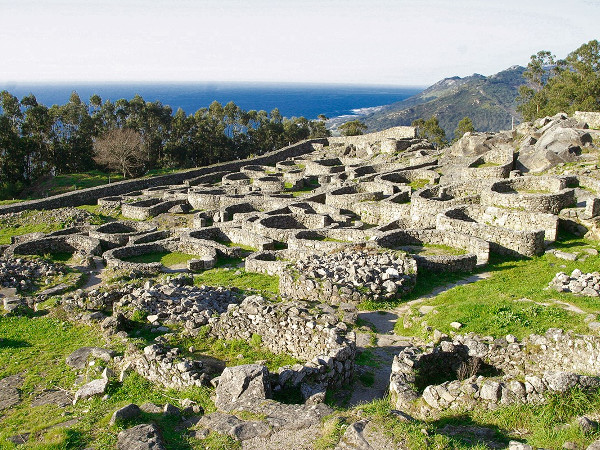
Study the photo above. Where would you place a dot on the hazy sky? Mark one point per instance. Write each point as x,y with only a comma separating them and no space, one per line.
397,42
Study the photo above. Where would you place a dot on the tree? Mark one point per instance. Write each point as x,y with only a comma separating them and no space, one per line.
121,150
464,126
562,86
430,129
352,128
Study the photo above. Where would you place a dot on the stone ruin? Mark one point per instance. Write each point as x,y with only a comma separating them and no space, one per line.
488,372
342,221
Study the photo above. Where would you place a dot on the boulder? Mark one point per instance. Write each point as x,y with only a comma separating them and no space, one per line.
362,435
241,385
125,413
560,381
140,437
559,140
558,144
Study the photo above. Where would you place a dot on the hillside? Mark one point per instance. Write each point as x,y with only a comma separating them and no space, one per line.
489,101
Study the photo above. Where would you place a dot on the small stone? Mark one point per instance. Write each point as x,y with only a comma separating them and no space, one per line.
456,325
586,424
516,445
151,408
91,389
170,410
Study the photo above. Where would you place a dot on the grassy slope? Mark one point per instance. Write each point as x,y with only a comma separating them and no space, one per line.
60,184
494,307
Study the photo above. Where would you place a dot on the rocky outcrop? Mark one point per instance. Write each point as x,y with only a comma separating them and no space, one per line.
140,437
553,140
242,385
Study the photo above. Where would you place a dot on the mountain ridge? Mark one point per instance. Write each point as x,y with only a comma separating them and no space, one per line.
490,102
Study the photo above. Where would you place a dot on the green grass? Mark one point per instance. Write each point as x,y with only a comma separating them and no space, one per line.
46,341
235,352
433,249
418,184
541,426
157,172
10,202
67,183
309,187
167,259
367,378
6,232
267,285
493,306
36,346
332,431
367,358
103,215
230,244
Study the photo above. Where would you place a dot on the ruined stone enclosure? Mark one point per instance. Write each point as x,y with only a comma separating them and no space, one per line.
321,230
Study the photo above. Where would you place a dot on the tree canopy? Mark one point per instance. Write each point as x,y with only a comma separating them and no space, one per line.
464,126
36,140
431,130
352,128
568,85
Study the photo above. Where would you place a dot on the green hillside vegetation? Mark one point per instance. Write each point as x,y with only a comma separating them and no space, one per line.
490,102
568,85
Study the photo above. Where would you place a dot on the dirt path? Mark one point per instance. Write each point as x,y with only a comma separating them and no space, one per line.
387,344
94,281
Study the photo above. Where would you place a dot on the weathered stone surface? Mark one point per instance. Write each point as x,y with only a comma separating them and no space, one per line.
55,397
9,391
594,445
151,408
79,358
125,413
578,283
242,385
95,387
140,437
233,426
363,435
516,445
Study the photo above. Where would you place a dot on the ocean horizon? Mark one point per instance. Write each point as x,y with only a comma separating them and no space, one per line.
292,99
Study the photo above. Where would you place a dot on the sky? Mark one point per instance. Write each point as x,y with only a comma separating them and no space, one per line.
382,42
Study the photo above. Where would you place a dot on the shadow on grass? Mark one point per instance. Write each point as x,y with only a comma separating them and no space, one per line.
13,343
471,433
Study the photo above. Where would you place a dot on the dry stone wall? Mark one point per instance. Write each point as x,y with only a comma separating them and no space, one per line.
290,328
518,372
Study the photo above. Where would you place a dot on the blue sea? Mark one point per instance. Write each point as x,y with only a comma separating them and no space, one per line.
293,100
